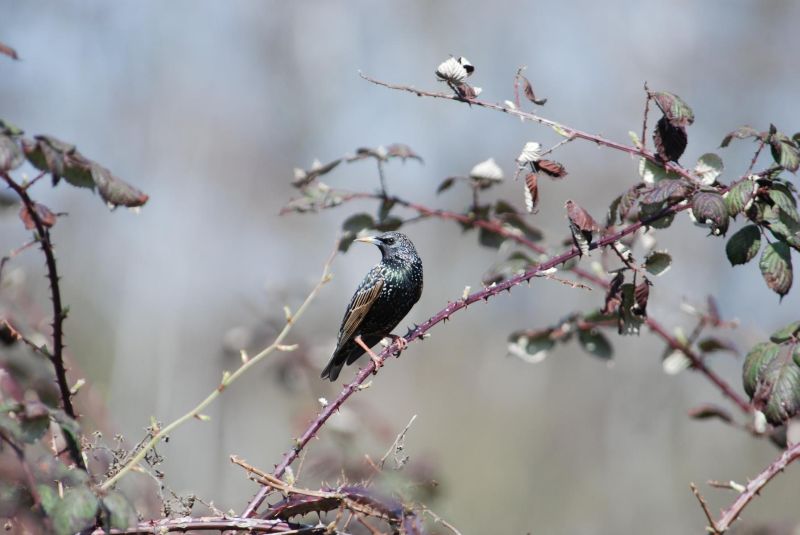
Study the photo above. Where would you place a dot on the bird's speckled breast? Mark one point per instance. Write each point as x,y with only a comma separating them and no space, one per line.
402,288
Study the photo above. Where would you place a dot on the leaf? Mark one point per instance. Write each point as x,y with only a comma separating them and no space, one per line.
594,342
641,294
785,151
776,267
738,197
658,262
118,511
531,192
389,224
8,51
614,294
47,217
402,151
515,264
487,238
784,199
652,172
581,218
709,209
49,498
69,426
674,108
34,421
781,225
744,245
531,347
771,378
60,159
670,140
667,190
709,166
742,132
114,191
711,344
446,184
518,225
11,155
706,412
551,168
629,321
75,511
352,226
304,177
628,200
527,90
786,333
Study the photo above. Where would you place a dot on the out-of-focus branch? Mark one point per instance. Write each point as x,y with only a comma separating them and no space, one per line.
227,378
57,355
497,227
753,488
218,523
566,131
419,331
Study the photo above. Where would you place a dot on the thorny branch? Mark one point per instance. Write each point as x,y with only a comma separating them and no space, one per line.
219,523
498,227
419,331
57,355
752,489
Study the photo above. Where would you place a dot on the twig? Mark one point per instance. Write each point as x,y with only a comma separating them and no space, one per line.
14,253
568,131
644,119
755,157
227,379
57,356
420,330
442,521
712,527
397,441
753,488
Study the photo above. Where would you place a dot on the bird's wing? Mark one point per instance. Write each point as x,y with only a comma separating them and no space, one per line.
362,301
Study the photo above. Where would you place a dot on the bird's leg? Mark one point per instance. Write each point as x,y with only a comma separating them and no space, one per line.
402,343
375,358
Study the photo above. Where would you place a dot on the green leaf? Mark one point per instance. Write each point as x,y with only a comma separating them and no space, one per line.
9,129
69,425
35,420
742,132
709,167
630,321
515,264
60,159
652,173
595,343
48,496
776,267
118,511
352,226
784,199
11,155
658,262
531,347
709,209
677,112
114,191
389,224
744,245
487,238
446,184
784,151
739,195
75,511
786,333
754,364
711,344
772,380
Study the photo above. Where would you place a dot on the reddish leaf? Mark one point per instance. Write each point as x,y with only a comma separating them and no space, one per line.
670,140
527,89
581,218
8,51
675,109
114,191
550,168
402,151
466,91
641,294
47,218
614,295
531,192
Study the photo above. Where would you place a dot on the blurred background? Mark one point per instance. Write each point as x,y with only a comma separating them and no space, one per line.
208,106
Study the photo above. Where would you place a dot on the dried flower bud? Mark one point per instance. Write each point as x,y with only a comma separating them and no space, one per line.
452,71
487,170
531,152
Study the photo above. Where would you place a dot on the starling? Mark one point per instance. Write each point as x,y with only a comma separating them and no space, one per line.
384,298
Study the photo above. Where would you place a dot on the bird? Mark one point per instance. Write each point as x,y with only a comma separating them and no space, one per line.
388,292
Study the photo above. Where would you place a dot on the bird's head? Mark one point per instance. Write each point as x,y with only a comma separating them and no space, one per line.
392,245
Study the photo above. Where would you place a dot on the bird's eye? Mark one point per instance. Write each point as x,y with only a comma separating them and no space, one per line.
388,241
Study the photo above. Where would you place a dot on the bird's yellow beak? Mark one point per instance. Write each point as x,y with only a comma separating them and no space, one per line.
368,239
